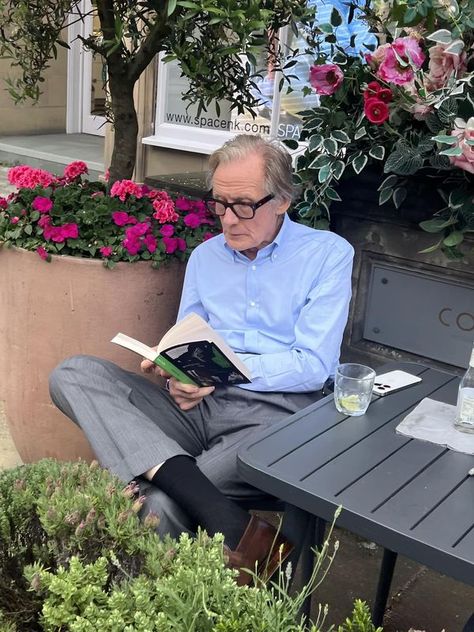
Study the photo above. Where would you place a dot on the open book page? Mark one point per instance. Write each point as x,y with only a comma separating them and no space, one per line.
192,352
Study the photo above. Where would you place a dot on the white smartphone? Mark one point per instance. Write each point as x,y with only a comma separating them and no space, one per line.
393,381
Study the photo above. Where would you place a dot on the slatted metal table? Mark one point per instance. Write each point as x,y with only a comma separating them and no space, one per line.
411,497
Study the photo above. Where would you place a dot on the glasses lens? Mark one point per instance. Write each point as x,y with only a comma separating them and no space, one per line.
244,211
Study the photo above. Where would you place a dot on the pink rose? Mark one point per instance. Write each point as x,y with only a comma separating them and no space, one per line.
407,49
378,56
75,169
442,65
466,159
106,251
14,220
325,78
42,204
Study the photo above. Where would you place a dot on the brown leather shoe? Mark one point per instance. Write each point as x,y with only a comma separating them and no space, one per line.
261,549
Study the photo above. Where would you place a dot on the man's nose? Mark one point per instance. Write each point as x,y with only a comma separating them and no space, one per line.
229,217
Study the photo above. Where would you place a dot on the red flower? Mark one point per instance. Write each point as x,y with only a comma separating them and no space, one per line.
374,89
376,110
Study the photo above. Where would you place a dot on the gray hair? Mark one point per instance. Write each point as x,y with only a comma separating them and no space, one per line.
276,160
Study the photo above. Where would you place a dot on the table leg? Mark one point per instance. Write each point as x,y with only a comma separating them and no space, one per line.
383,587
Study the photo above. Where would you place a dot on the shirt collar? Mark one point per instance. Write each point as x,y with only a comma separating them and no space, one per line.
268,250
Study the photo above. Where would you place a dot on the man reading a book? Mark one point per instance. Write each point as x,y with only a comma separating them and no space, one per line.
278,292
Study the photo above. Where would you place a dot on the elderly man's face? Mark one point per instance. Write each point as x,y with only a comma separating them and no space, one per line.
243,181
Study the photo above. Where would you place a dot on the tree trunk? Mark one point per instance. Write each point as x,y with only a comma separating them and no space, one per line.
125,127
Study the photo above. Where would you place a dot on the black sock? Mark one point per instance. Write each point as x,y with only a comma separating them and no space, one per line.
182,480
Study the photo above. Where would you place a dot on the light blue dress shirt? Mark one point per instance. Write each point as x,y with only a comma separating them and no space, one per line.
284,312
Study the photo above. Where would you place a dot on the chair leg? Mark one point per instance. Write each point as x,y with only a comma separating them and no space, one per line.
469,627
383,586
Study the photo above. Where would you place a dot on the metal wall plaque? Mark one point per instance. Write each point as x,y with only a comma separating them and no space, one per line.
417,312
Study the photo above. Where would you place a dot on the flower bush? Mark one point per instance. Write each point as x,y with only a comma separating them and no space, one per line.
75,556
405,104
71,215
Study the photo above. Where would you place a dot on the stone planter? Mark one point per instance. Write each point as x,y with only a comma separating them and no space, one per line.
69,306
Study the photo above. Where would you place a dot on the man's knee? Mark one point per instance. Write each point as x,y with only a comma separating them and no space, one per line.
70,369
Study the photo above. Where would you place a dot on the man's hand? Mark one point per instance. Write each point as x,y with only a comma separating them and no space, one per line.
186,396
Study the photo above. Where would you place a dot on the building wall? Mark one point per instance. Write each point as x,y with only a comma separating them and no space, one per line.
165,161
48,115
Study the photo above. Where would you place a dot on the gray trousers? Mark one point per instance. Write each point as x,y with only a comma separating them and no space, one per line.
133,424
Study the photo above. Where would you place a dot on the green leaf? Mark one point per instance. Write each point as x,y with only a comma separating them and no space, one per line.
431,248
442,36
385,195
171,7
341,136
448,110
388,183
454,238
377,152
399,196
326,28
291,144
445,139
360,132
330,146
324,173
452,151
359,163
320,162
455,48
332,194
28,229
338,169
434,225
403,163
315,142
336,19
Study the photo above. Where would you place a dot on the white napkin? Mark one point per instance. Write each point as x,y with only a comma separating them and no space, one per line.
434,421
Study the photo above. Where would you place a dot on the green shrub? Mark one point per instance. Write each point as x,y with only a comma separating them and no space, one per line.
75,556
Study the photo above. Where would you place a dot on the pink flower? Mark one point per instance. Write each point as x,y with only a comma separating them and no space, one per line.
378,56
192,220
107,175
58,234
181,244
171,244
326,78
167,230
376,111
164,211
374,89
120,218
150,242
408,50
75,169
442,65
466,159
3,203
124,188
42,253
14,220
29,178
132,245
184,204
156,194
42,204
106,251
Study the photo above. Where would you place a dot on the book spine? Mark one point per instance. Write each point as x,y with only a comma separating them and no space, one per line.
170,368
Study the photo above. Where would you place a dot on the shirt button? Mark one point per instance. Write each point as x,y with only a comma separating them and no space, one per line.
252,303
254,267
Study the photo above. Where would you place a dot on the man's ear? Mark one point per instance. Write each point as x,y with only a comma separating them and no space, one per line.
282,206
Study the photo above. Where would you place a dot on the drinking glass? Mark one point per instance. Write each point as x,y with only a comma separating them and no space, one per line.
353,386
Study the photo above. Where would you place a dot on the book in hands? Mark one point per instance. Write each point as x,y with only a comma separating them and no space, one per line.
193,353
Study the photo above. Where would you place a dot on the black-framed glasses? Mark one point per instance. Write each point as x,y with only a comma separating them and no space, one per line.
243,210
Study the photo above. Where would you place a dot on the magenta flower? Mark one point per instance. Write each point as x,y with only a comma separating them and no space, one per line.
3,203
167,230
106,251
150,242
182,245
184,204
120,218
42,204
325,78
75,169
207,236
192,220
42,253
171,244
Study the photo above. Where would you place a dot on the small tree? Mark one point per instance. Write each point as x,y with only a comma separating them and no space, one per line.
206,37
